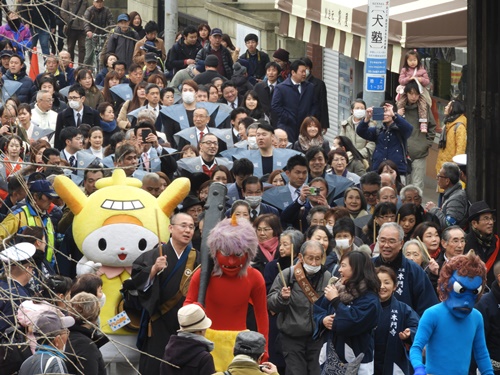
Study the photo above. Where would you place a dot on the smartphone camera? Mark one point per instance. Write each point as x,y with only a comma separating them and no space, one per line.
378,114
145,133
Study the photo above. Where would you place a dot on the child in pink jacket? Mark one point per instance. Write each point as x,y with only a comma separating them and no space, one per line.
413,69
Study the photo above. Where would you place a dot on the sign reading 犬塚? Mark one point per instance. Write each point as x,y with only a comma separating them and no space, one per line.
336,15
377,32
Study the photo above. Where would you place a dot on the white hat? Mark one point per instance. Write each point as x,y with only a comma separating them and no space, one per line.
18,253
460,159
192,318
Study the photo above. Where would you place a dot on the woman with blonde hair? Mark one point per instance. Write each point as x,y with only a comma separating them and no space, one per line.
84,338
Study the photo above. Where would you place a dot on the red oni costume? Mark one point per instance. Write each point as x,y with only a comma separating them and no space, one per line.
233,284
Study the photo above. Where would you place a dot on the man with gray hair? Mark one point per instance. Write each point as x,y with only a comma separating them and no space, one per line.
455,206
411,194
414,287
192,135
42,114
293,302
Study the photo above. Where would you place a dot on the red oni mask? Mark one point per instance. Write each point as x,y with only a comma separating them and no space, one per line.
231,265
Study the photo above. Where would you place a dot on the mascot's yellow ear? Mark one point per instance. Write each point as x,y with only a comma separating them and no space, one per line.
71,194
173,195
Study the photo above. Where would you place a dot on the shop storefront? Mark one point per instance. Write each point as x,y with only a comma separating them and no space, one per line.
437,28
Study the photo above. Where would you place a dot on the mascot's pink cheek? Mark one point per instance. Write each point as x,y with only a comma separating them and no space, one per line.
231,265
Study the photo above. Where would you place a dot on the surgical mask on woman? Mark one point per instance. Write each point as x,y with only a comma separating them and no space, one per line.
359,113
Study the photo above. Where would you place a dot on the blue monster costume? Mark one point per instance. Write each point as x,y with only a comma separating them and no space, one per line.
453,329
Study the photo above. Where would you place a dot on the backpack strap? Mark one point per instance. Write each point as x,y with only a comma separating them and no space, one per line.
457,125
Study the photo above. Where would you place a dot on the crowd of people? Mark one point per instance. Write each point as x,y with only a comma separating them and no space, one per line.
335,256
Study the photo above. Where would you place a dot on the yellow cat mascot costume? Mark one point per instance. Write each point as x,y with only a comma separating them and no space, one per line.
112,227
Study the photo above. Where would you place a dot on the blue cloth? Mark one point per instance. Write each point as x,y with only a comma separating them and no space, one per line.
353,324
489,307
292,108
18,293
414,287
388,145
43,36
449,342
108,127
390,352
27,90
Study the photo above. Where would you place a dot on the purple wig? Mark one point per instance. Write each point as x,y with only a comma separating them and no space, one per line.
233,239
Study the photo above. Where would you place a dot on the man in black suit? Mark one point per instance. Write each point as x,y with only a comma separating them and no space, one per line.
319,94
253,189
230,95
76,114
265,89
236,116
153,156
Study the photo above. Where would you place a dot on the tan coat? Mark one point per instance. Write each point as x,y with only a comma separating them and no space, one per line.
140,53
348,129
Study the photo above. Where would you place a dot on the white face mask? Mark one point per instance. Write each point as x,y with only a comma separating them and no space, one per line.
188,97
311,270
254,201
102,300
252,143
330,228
359,113
308,72
74,104
342,243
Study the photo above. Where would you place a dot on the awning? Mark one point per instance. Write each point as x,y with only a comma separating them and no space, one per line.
340,25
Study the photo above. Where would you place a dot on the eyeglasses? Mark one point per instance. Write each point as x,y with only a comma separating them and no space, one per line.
390,241
214,143
370,193
440,176
48,100
264,229
457,241
487,219
185,226
74,97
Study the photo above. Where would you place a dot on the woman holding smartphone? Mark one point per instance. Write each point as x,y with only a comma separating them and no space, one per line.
390,136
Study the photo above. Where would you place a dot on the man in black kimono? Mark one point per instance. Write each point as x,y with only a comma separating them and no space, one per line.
162,281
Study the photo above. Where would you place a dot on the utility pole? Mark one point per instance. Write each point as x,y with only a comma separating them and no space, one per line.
483,102
377,35
171,22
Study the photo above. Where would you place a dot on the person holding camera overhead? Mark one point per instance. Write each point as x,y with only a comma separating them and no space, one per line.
390,136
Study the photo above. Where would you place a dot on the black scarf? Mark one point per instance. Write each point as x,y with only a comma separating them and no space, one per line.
484,241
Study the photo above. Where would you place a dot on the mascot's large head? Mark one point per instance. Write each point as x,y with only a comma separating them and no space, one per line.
233,245
119,221
461,283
